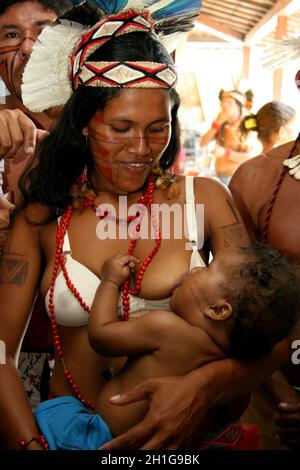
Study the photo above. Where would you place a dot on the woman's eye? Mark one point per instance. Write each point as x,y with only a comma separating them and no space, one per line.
157,131
121,130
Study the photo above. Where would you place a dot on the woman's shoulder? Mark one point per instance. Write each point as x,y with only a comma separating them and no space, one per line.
208,189
35,216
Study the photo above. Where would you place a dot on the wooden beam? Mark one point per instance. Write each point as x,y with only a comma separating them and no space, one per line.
268,23
281,31
215,28
246,62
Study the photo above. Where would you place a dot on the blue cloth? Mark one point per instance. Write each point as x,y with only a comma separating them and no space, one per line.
68,425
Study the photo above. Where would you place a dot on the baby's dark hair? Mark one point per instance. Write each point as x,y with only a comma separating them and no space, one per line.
265,295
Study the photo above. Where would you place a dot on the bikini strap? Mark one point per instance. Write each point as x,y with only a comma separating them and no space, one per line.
191,218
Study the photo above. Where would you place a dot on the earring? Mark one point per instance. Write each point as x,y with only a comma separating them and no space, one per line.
83,178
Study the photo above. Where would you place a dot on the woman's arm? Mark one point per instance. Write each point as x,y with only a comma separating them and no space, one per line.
19,278
223,224
230,155
215,127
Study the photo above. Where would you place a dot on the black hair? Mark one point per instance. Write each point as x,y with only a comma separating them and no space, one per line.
63,155
87,14
265,295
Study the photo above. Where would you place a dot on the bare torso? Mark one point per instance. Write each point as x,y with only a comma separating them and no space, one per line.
252,187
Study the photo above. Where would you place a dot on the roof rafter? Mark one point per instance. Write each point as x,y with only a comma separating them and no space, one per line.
218,30
268,23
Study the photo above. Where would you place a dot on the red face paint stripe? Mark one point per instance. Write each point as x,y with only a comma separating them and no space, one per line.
106,172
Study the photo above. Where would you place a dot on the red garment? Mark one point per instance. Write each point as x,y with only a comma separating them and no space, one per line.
236,437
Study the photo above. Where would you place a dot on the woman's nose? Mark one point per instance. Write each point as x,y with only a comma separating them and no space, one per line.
139,145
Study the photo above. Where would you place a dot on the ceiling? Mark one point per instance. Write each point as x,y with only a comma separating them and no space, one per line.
247,22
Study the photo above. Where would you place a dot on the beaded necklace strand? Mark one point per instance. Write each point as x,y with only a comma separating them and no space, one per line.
147,199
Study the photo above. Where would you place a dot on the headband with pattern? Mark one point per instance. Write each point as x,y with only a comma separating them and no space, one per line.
59,62
139,74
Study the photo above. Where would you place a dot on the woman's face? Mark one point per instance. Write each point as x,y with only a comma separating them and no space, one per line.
128,137
230,107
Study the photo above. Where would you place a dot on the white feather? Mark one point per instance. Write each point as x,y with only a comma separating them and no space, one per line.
171,41
158,5
281,53
135,4
45,79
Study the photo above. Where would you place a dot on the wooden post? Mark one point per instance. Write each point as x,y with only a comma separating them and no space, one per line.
281,31
246,62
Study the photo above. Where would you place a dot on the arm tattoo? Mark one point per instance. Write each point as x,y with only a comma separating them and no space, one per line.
234,234
13,271
233,210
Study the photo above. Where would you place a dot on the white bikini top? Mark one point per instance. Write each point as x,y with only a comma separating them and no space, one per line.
68,311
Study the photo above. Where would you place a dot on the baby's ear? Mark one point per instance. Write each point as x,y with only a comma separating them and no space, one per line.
220,312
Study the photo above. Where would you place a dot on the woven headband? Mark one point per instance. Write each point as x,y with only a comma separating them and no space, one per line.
126,74
60,61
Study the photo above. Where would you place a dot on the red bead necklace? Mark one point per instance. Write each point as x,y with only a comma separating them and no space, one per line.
146,199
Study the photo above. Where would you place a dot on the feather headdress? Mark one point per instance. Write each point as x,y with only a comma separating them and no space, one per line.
282,53
46,79
62,6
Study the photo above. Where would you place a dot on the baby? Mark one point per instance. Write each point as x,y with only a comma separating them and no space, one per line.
241,305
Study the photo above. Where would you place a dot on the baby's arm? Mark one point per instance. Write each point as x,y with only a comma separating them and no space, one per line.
107,334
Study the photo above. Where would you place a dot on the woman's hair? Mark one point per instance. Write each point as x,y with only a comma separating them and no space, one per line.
265,296
62,156
87,14
268,120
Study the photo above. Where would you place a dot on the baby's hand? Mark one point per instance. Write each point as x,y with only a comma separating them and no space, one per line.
117,268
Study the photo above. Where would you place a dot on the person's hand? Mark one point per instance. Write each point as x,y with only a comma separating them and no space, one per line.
18,131
177,416
118,268
287,424
5,209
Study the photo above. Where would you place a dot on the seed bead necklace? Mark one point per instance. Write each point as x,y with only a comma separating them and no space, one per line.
147,199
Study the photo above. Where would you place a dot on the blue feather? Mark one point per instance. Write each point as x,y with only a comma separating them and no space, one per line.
110,6
174,7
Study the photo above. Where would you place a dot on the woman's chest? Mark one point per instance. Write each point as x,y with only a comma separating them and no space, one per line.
162,264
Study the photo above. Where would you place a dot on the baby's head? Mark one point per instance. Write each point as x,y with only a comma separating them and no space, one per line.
254,292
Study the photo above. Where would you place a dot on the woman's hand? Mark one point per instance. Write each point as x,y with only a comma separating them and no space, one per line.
287,424
18,131
118,268
177,416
